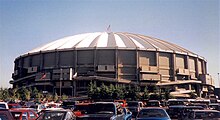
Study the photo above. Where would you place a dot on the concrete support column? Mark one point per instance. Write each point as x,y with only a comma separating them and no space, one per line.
204,67
174,67
116,63
187,65
198,90
30,61
197,68
190,87
157,62
95,61
137,67
57,59
74,88
41,60
75,61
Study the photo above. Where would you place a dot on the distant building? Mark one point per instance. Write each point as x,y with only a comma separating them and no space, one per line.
121,58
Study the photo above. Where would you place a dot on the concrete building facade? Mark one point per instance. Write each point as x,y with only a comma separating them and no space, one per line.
66,66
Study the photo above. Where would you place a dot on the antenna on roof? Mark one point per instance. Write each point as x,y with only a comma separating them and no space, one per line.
108,30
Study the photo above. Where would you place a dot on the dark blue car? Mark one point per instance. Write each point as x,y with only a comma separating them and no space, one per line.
153,113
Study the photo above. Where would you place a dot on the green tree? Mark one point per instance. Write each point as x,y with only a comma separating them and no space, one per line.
111,90
64,97
154,89
49,97
118,93
145,95
5,94
38,96
104,92
154,96
92,90
34,93
166,94
55,97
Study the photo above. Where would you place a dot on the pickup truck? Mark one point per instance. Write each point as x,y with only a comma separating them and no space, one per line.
104,111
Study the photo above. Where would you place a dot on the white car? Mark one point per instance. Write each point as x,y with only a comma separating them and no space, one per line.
4,105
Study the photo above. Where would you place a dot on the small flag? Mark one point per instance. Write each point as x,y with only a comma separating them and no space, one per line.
43,76
75,75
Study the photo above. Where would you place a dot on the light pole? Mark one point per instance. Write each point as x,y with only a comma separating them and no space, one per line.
218,80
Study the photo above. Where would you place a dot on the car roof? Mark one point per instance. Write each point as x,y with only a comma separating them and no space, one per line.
153,108
177,106
206,110
21,109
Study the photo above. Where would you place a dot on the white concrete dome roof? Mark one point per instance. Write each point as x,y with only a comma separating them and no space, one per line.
120,40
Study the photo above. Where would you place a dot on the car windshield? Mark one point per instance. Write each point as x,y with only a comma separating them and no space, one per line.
2,106
53,115
176,103
150,104
132,104
102,109
152,113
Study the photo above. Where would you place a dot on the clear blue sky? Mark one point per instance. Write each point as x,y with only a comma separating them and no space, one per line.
27,24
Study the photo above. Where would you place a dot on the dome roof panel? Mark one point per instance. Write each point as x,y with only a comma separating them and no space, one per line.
73,40
112,40
87,41
119,41
102,40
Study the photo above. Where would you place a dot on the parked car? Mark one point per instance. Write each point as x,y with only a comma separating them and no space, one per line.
153,103
134,107
204,114
174,102
23,114
48,109
4,105
180,111
104,111
57,115
5,114
152,113
69,104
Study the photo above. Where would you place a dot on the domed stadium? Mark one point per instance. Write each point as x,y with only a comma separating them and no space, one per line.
68,65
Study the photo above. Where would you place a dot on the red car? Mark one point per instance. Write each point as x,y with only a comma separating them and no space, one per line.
23,114
5,115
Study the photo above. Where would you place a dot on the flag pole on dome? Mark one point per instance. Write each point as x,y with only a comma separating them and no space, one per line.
108,29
